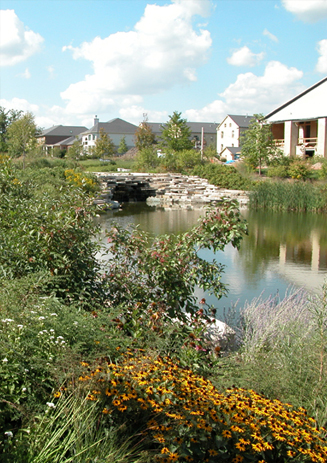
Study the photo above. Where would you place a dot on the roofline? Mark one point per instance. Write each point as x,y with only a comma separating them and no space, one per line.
300,95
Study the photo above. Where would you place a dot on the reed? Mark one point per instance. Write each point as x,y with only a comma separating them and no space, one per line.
288,196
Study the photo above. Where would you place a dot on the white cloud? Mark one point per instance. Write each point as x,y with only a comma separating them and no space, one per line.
17,43
322,60
26,74
244,57
307,10
19,104
51,71
251,94
163,50
270,35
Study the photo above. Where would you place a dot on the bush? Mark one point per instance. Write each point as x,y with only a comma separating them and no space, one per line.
278,171
223,176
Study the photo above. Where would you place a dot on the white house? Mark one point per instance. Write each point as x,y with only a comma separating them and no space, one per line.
299,126
230,130
115,128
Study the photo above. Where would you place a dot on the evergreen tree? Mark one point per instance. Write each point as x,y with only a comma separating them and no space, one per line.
122,145
176,134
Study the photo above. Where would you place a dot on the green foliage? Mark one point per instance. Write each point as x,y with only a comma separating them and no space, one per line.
299,170
144,137
122,145
40,231
104,146
176,134
164,270
147,158
286,196
258,147
6,118
280,171
223,176
22,135
75,151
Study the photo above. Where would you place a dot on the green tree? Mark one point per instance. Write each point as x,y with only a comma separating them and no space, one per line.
176,134
22,136
104,146
6,118
122,145
144,137
258,147
75,150
147,158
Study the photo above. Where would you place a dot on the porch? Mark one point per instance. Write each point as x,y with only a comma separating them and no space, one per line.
301,138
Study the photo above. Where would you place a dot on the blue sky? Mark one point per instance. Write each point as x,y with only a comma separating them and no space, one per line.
67,61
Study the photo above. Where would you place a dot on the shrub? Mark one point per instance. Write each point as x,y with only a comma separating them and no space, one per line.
278,171
299,170
223,176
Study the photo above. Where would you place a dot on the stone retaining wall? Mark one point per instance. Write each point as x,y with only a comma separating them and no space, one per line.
163,189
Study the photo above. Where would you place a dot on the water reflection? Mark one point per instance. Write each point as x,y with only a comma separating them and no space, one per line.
282,249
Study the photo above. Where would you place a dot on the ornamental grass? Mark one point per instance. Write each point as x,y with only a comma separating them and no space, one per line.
187,419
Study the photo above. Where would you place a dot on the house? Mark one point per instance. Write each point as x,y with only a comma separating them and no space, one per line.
230,130
115,128
209,130
230,153
57,134
299,126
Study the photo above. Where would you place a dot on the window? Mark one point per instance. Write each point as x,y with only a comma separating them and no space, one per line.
225,125
232,133
230,124
90,137
222,135
221,147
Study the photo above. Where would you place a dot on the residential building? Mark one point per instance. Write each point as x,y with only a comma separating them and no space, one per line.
58,135
299,126
230,153
115,128
230,130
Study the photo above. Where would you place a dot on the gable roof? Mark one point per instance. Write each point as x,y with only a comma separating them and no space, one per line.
232,149
63,130
242,121
116,125
294,109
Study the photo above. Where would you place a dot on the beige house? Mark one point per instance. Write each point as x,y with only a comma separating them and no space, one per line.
230,130
300,125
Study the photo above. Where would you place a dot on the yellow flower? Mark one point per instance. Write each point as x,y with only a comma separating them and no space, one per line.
227,434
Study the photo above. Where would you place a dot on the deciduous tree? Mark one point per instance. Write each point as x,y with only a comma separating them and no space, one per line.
258,147
104,146
144,137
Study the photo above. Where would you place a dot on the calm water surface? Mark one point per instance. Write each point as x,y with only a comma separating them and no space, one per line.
282,250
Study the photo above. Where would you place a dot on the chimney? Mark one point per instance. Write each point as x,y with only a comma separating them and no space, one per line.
96,120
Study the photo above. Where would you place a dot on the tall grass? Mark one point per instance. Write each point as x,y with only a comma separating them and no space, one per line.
71,431
288,196
283,350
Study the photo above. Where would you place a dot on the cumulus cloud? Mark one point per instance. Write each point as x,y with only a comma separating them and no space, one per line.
307,10
163,50
244,57
270,35
17,42
322,60
251,94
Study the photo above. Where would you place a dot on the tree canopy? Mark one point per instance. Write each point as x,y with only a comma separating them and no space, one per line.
176,133
104,146
258,147
144,137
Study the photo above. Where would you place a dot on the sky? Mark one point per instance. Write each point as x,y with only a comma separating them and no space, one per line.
67,61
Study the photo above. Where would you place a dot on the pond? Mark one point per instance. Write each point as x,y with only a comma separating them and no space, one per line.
282,250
